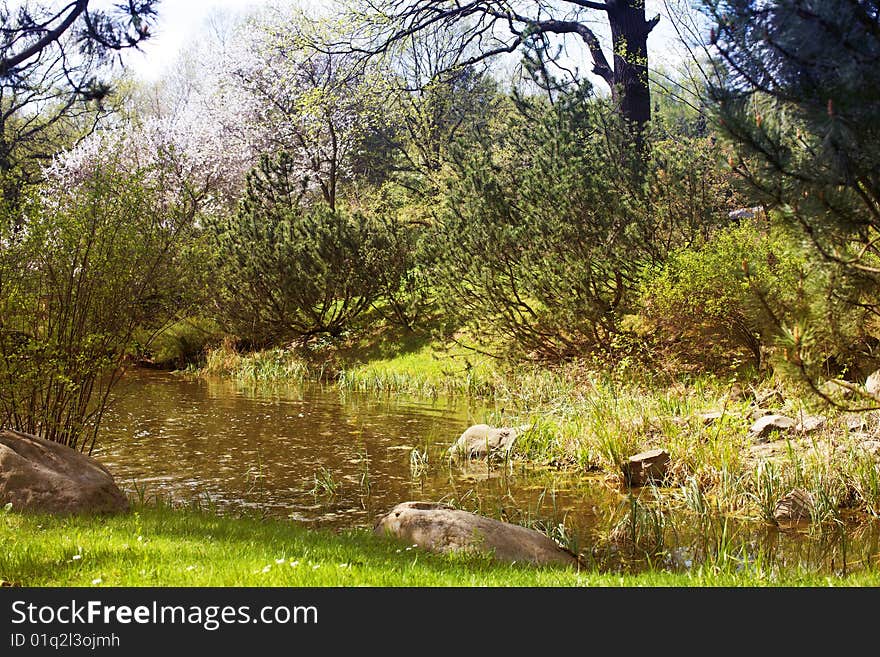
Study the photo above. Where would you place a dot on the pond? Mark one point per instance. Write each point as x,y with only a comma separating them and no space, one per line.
315,455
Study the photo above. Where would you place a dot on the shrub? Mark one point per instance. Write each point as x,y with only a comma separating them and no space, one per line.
546,227
85,264
290,271
744,296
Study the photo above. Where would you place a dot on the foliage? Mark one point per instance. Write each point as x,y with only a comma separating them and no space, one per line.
481,31
185,342
52,61
546,225
405,292
290,270
717,305
274,94
84,265
798,96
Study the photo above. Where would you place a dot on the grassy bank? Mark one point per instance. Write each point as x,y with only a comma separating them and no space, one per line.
163,546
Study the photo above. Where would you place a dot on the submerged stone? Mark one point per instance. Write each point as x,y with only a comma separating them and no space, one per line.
481,441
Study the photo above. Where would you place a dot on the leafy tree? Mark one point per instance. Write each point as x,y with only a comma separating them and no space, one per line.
274,94
292,270
487,28
52,60
800,97
426,108
541,241
91,257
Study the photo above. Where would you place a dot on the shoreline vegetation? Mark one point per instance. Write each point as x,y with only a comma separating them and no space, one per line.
158,544
591,422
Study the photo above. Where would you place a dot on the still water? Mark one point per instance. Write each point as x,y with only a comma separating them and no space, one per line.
315,455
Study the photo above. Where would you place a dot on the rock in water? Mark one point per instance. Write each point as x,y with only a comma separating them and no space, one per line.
645,467
41,475
796,505
481,440
440,528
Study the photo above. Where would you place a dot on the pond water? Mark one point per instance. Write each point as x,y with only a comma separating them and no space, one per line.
315,455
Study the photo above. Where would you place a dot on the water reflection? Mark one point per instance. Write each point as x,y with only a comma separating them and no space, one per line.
317,456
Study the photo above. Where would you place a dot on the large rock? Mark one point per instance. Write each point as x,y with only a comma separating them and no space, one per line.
646,467
440,528
481,440
40,475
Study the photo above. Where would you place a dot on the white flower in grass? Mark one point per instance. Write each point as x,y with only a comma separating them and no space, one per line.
294,564
267,568
97,581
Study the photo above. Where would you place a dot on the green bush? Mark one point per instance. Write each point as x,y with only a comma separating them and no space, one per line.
86,262
746,295
290,271
185,342
545,228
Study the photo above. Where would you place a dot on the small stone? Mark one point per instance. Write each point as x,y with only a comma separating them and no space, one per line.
871,446
872,383
810,423
765,451
856,423
765,426
645,467
712,417
794,506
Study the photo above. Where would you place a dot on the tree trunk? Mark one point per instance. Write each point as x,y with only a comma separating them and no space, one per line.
629,37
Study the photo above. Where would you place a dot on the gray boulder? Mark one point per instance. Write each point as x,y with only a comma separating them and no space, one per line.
440,528
41,475
480,441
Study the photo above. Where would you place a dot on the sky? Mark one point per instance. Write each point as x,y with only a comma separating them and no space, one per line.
180,20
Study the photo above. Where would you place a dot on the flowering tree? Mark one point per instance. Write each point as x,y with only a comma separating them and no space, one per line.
52,63
94,255
272,94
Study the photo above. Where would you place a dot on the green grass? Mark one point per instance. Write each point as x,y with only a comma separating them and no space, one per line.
158,545
428,372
